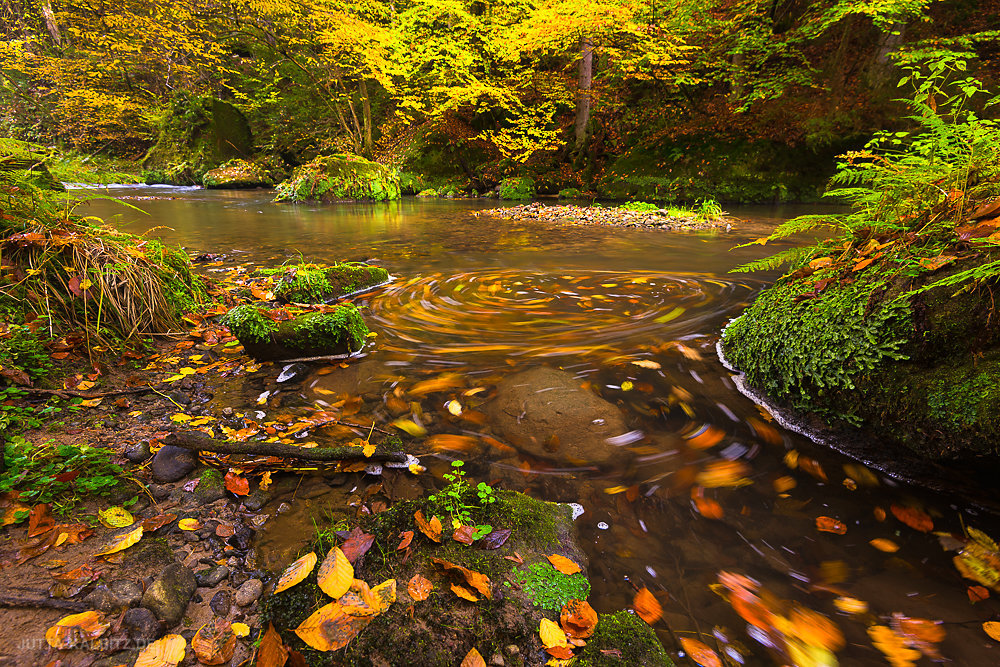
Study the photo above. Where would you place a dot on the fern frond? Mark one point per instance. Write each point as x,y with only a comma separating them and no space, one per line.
773,262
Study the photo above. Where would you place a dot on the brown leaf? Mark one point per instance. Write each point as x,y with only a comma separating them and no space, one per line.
214,643
432,528
495,539
406,537
463,534
40,521
473,659
154,523
357,544
828,524
913,517
272,652
237,484
463,592
419,587
477,580
578,619
563,564
647,606
977,594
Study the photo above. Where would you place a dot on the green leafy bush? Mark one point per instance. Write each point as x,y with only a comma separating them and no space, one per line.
640,206
517,188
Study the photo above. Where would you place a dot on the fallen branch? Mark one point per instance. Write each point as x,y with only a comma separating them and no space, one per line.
198,441
64,393
36,603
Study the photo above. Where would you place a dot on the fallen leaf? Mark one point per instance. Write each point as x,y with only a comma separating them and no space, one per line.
850,605
724,473
165,652
893,646
40,520
647,606
241,629
578,619
384,595
646,363
828,524
432,529
154,523
411,427
563,564
452,442
329,628
473,659
977,594
115,517
75,629
336,574
477,580
405,538
122,542
464,535
700,653
189,524
551,634
913,517
882,544
272,652
296,572
463,592
237,484
419,587
357,544
560,653
992,628
495,539
214,643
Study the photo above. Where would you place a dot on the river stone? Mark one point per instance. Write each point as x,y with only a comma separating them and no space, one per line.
221,603
147,558
141,625
211,577
341,331
257,499
102,599
211,487
138,452
172,464
126,592
170,593
249,592
237,174
534,405
339,177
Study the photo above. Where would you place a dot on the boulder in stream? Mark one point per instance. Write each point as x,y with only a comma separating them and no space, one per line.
312,283
549,414
237,174
342,331
340,177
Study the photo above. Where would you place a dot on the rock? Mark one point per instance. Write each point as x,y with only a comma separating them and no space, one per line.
159,491
126,592
256,500
249,592
293,373
211,577
171,464
170,593
141,625
339,177
533,406
138,452
211,487
237,174
497,660
221,603
315,334
315,283
102,599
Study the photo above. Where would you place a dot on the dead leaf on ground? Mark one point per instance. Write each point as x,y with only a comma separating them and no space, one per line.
329,628
296,572
40,520
563,564
165,652
357,544
336,574
405,538
75,629
214,643
551,634
578,619
272,652
473,659
237,483
122,542
463,592
464,535
432,529
477,580
419,587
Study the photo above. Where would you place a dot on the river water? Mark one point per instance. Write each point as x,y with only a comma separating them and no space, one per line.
707,481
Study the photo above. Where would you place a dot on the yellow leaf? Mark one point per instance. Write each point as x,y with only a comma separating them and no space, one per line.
85,385
646,363
552,635
850,605
189,524
115,517
86,283
187,370
992,628
329,628
76,629
180,417
336,574
411,427
384,594
627,385
90,403
241,629
563,564
122,542
885,545
463,592
166,652
368,449
296,572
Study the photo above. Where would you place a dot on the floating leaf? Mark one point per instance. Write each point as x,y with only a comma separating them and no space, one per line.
563,564
473,659
578,619
850,605
236,483
296,572
75,629
724,473
647,363
411,427
992,628
700,653
122,542
913,517
329,628
115,517
893,646
452,442
214,643
551,634
419,587
828,524
647,606
336,574
977,594
455,408
432,529
272,651
882,544
165,652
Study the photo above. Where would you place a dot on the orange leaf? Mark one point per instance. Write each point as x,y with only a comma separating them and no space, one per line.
977,594
272,651
885,545
463,592
296,572
700,653
214,643
237,484
76,629
329,628
830,525
40,521
463,534
578,619
913,517
407,537
647,606
563,564
473,659
419,587
477,580
432,528
992,628
707,507
560,652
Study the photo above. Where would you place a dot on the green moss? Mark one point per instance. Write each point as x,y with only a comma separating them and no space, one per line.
640,206
343,327
249,324
302,285
313,283
804,350
429,192
340,177
517,188
625,632
570,193
549,588
236,173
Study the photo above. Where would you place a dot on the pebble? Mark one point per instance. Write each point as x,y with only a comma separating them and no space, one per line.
284,507
249,592
221,603
141,625
211,577
598,215
138,452
126,592
256,500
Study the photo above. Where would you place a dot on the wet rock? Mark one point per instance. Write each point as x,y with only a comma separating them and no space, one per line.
159,491
249,592
342,331
293,373
237,174
221,603
102,599
141,625
237,579
171,464
211,487
339,177
256,500
211,577
242,539
497,660
548,414
147,558
126,592
138,452
313,489
170,593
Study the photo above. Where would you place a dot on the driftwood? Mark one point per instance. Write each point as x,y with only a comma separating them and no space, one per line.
47,603
198,441
72,392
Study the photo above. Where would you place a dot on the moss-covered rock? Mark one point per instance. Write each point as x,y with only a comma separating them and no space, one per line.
237,174
630,636
429,192
311,283
340,177
517,188
342,331
920,370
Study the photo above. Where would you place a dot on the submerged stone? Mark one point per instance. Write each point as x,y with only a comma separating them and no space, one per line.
315,284
342,331
340,177
237,174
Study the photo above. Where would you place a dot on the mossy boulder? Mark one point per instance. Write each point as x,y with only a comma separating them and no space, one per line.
916,370
436,630
517,188
194,135
342,331
629,640
340,177
237,174
429,192
311,283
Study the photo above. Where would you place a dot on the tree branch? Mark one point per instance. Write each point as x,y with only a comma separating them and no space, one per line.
198,441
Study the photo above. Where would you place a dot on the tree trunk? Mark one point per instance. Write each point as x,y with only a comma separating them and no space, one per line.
583,92
366,112
50,22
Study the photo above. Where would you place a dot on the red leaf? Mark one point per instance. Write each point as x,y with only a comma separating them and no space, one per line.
237,484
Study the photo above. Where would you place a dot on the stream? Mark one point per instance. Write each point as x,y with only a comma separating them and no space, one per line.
707,480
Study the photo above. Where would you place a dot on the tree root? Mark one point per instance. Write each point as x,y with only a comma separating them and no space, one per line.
198,441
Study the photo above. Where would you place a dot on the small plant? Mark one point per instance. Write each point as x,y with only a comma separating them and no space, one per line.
59,474
456,499
640,207
708,209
